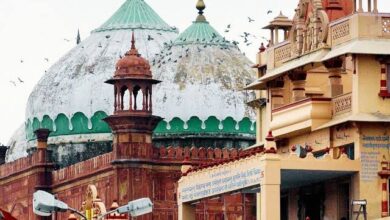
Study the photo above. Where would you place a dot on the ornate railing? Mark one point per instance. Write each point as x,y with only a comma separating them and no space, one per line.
341,32
282,53
386,25
342,104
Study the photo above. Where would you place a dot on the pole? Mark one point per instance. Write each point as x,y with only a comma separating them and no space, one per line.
78,213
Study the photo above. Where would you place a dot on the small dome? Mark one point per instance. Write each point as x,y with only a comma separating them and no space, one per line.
201,91
132,64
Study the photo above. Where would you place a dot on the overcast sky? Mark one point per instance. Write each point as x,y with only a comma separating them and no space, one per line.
32,30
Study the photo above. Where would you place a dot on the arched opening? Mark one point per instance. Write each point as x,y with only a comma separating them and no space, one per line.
125,99
137,93
147,99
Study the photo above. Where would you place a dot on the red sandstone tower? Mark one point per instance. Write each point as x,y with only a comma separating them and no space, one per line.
132,125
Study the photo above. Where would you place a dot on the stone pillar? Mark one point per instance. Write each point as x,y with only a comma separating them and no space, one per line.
276,35
277,98
272,40
186,212
277,91
42,137
258,206
285,34
298,79
335,67
300,38
375,6
270,187
385,175
385,202
41,167
3,152
360,9
369,5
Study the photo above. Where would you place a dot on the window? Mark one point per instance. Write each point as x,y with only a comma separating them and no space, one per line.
385,81
350,151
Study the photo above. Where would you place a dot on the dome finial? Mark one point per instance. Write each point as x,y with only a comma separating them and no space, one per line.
132,41
133,51
200,6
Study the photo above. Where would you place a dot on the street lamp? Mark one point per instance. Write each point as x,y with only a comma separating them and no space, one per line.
135,208
44,204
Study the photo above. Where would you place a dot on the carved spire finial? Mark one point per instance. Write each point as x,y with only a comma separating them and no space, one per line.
200,6
132,41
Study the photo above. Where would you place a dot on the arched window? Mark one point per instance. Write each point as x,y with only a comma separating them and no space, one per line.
147,99
125,98
137,93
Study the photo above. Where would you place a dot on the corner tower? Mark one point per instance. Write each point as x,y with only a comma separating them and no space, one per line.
132,122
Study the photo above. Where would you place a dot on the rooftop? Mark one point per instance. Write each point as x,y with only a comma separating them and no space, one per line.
135,14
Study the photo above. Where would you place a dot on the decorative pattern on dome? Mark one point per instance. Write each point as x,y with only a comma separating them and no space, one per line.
81,124
136,14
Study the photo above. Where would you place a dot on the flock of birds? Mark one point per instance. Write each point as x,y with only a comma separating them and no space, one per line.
164,56
18,80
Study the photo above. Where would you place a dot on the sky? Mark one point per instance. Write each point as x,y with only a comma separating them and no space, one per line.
35,34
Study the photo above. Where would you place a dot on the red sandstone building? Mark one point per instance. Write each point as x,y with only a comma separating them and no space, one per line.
133,169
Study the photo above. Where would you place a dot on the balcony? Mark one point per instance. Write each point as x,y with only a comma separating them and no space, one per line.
342,105
309,114
302,116
359,26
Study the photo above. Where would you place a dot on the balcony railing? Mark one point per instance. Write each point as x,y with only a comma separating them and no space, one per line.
342,104
359,25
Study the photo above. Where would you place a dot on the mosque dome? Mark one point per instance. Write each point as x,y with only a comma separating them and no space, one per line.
72,98
201,91
201,96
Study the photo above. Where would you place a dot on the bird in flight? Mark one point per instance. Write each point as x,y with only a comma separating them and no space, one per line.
250,19
13,82
269,12
20,80
67,40
150,38
47,59
22,61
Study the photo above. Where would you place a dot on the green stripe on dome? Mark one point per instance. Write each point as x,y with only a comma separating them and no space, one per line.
80,124
135,14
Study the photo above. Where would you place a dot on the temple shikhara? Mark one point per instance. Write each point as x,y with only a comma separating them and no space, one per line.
138,110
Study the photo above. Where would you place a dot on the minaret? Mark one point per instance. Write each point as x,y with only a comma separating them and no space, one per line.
132,125
132,122
78,38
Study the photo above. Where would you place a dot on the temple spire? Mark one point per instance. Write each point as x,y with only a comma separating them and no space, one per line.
201,7
132,41
78,38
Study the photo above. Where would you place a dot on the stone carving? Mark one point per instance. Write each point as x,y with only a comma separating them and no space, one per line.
93,205
310,27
